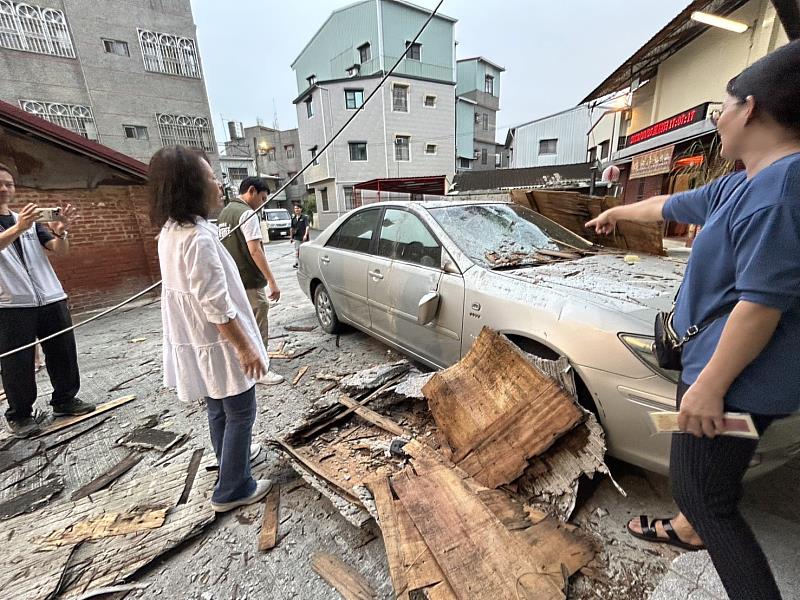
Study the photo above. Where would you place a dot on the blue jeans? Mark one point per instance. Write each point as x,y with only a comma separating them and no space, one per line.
230,422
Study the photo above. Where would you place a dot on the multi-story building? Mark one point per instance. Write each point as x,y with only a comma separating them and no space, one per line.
477,104
126,73
270,153
666,91
406,130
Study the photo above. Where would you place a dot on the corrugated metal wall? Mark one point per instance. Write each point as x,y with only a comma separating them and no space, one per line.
569,128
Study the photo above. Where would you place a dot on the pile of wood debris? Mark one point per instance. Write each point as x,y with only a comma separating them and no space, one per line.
471,490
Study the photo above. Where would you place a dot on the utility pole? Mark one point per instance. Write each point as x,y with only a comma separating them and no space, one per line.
255,153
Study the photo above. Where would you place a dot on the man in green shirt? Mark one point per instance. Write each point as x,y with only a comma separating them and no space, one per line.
247,251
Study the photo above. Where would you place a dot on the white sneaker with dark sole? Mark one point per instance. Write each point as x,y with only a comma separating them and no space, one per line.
263,486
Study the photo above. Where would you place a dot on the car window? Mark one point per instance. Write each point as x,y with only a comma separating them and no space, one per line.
404,237
278,215
355,234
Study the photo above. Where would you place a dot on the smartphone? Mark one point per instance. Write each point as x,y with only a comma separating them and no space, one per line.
48,215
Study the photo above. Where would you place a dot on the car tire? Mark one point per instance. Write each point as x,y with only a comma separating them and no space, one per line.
326,313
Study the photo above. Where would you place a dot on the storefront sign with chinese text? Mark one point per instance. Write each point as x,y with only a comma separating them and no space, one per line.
687,117
652,163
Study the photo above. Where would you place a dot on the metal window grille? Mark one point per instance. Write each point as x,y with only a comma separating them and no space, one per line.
185,130
34,29
400,98
170,54
289,151
401,148
75,117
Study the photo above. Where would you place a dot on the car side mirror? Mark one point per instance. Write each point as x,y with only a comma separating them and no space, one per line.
428,306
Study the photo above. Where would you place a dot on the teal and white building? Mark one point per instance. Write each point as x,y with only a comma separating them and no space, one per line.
477,104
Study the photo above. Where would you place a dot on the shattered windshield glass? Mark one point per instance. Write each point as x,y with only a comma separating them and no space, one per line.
507,235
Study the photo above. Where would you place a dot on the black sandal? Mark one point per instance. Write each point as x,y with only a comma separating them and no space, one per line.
649,534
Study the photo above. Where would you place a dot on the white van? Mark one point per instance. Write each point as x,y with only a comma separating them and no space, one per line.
278,222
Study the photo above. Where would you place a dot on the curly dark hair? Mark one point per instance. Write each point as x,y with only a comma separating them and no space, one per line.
178,186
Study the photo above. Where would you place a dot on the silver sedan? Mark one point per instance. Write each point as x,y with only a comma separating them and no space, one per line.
426,277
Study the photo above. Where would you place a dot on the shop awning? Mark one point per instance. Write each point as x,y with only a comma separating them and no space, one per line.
434,186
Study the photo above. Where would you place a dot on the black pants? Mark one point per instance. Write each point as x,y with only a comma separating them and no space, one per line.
21,326
706,479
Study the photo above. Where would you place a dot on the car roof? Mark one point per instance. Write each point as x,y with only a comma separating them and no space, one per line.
428,204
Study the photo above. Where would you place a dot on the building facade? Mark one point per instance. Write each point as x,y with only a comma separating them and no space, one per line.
477,104
270,153
126,73
667,142
406,130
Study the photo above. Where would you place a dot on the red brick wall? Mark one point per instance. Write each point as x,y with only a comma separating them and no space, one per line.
112,245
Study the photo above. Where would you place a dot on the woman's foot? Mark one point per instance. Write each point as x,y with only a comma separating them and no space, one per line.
676,532
263,486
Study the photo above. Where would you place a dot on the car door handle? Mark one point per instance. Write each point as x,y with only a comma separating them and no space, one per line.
376,274
325,259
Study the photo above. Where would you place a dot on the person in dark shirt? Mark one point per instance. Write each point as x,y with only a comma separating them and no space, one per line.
744,269
301,228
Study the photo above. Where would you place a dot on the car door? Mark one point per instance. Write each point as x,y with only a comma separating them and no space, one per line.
407,266
344,262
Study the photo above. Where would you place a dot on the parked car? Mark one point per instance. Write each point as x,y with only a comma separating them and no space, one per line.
425,278
278,221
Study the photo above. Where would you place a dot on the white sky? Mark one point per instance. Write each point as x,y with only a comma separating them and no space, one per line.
554,52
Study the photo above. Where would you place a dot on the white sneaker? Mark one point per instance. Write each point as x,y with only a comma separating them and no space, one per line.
263,486
271,378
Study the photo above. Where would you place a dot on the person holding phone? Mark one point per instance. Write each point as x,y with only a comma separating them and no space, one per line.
34,305
212,346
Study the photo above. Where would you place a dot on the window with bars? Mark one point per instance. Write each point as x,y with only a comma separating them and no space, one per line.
75,117
358,151
270,154
400,98
185,130
464,163
117,47
169,54
402,150
32,28
238,173
289,150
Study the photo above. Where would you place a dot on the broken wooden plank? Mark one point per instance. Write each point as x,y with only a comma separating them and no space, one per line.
373,417
496,410
348,582
114,473
314,468
191,475
64,422
299,328
74,432
479,557
303,370
302,353
268,536
150,438
30,501
19,453
107,524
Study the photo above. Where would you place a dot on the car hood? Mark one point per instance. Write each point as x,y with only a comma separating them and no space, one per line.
638,288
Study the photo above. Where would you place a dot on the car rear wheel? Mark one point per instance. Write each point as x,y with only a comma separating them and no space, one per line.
326,314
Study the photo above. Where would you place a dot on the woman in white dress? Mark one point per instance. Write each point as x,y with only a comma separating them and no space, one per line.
212,348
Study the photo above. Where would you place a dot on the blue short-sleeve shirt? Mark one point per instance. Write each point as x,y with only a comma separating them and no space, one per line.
748,249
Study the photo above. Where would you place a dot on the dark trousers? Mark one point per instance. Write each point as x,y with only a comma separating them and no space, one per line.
706,479
21,326
230,422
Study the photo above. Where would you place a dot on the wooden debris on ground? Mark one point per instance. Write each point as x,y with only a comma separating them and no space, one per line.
268,536
303,370
65,422
299,328
150,438
349,583
496,410
114,473
19,453
30,501
75,547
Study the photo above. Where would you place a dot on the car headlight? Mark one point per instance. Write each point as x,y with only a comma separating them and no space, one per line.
642,348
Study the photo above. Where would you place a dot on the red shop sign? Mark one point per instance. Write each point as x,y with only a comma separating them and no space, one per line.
687,117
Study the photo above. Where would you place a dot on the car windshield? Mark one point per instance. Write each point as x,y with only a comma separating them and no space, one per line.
507,235
278,215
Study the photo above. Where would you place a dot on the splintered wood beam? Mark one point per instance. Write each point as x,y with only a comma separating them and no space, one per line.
64,422
268,536
318,472
191,474
303,370
349,583
114,473
373,417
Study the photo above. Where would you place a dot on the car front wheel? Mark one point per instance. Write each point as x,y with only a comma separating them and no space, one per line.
326,314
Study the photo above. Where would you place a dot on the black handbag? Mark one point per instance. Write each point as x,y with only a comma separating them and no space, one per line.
668,344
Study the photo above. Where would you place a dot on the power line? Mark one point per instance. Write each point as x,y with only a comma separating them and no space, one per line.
254,213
